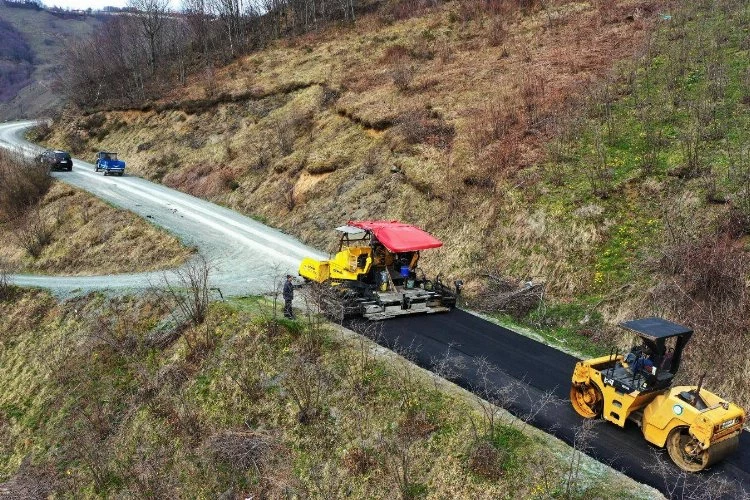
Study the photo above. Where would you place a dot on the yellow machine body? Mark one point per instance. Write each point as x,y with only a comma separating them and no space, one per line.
698,431
716,422
314,270
348,264
374,274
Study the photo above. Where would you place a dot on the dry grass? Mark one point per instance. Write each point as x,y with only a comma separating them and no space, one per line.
22,184
471,120
100,413
87,236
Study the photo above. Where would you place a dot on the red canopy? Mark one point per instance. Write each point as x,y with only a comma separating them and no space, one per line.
397,236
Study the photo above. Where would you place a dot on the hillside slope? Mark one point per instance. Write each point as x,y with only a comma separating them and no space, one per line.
85,236
421,120
98,402
599,147
45,34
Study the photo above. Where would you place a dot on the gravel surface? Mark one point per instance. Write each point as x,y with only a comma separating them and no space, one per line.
246,256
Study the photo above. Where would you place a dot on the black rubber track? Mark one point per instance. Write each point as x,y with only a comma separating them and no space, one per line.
534,370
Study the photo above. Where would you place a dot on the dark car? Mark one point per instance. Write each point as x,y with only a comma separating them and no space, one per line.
56,160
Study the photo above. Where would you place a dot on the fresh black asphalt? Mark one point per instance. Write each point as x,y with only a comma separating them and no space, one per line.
534,373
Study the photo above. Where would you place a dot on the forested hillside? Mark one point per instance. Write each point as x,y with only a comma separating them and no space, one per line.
16,60
33,43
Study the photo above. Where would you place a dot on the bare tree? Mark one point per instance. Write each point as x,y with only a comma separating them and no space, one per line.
230,14
32,232
198,19
132,58
492,400
739,177
397,461
448,366
22,184
180,52
305,384
581,444
396,445
597,168
190,290
677,483
106,67
152,15
6,288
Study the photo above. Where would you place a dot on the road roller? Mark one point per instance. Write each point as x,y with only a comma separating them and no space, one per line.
697,427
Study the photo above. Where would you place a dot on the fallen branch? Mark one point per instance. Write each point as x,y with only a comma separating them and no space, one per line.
508,295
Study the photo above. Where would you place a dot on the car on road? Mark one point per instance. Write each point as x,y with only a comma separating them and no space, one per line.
108,162
56,160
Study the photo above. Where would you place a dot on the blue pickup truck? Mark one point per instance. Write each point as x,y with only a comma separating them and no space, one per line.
109,163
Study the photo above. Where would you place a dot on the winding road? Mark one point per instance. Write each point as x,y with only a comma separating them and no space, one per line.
246,256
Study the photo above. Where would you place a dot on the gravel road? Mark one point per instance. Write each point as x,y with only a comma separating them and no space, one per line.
244,254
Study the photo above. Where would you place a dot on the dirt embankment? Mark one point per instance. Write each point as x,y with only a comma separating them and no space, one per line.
438,119
62,230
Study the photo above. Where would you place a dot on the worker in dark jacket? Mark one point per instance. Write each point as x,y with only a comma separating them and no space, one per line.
288,296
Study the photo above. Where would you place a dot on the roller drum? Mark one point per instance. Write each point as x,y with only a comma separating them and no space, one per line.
721,450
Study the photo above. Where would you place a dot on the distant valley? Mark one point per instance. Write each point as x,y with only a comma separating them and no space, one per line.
33,43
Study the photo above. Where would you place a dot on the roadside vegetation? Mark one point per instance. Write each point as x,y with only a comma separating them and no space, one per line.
600,148
655,175
48,227
113,397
